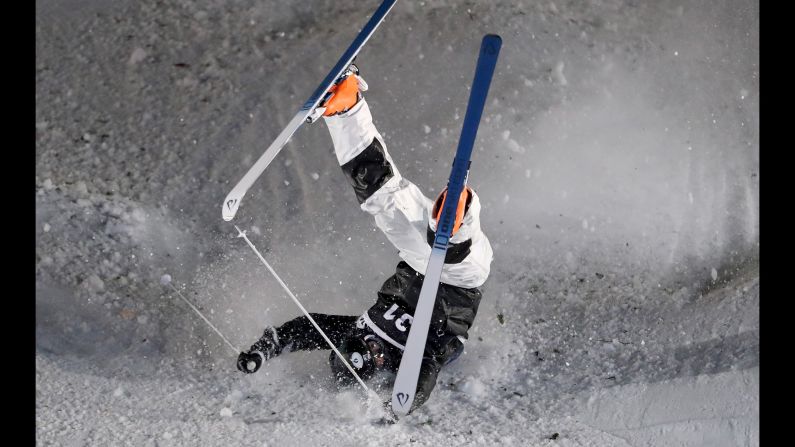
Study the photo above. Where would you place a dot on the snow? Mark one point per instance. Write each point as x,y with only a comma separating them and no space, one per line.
714,409
474,387
644,331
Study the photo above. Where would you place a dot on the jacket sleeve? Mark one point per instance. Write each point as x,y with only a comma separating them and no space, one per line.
400,209
398,206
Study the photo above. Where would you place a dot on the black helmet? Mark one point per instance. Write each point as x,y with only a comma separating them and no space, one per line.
365,352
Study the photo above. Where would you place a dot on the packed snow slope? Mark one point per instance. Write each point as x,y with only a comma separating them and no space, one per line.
618,166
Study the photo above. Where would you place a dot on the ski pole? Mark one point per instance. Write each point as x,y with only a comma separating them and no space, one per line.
312,320
236,350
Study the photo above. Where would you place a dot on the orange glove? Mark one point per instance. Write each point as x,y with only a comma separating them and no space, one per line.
345,95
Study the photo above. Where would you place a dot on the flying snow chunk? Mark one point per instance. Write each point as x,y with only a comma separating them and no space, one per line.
515,147
315,175
46,228
559,73
235,395
118,392
426,128
226,412
81,188
714,274
473,387
93,282
138,55
165,280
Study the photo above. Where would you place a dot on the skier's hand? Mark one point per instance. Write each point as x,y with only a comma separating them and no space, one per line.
249,362
345,95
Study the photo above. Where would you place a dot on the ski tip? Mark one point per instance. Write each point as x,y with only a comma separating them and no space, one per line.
229,208
401,403
491,43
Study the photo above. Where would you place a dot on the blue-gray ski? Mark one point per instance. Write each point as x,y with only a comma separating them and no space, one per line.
408,373
306,113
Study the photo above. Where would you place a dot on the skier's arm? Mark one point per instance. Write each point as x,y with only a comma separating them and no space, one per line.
399,207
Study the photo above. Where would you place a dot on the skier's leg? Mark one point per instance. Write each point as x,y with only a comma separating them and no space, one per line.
452,351
429,371
451,347
444,349
297,334
300,335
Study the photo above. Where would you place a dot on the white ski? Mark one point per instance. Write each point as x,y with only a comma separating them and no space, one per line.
306,114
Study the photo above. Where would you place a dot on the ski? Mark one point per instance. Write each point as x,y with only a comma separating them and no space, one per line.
409,370
307,113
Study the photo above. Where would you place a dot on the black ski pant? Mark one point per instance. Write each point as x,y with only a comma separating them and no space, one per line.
299,334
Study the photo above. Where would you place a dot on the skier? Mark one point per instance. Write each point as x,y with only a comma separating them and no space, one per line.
374,341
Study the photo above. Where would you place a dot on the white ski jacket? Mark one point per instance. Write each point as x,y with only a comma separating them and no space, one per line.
401,210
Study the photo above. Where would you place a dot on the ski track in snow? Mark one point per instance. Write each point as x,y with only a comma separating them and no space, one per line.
617,162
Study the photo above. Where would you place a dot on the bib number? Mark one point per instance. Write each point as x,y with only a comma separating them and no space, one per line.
400,323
